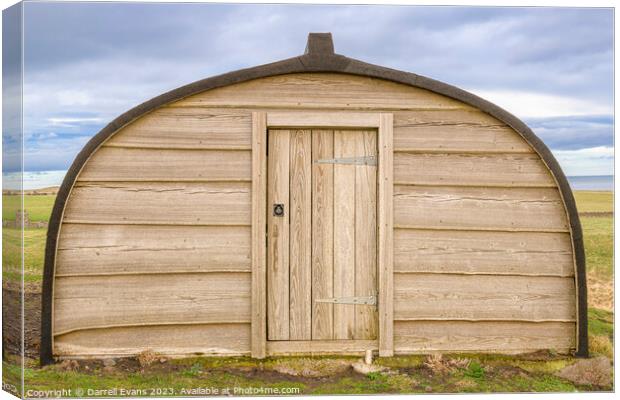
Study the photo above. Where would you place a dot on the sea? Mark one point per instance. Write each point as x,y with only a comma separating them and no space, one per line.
593,182
43,179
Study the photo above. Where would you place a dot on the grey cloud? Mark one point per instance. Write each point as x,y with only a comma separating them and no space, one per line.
574,133
559,50
96,60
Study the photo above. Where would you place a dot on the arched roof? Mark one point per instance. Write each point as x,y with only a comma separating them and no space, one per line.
318,57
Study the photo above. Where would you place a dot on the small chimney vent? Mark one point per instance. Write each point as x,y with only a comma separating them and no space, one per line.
319,44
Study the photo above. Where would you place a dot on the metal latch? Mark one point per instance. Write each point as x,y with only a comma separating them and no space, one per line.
278,210
358,300
367,160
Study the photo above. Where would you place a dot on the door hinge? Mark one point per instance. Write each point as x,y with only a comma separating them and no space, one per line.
367,160
358,300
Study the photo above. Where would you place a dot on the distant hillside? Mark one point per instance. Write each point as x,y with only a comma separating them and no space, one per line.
52,190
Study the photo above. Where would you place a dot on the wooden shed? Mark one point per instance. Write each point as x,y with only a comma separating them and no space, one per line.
317,204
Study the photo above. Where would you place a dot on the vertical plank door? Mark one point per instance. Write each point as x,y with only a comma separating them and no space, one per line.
324,245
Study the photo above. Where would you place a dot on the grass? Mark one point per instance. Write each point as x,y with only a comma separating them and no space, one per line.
136,384
601,322
601,332
485,373
598,242
34,252
599,245
593,201
39,208
12,376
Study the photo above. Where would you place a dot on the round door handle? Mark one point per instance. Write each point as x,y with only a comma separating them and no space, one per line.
278,210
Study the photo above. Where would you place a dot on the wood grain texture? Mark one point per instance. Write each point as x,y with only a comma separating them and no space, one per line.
215,203
455,130
90,302
463,336
132,164
365,236
344,234
322,120
278,236
187,128
121,249
385,222
471,252
471,169
322,235
259,239
340,347
321,90
497,208
300,235
169,340
446,296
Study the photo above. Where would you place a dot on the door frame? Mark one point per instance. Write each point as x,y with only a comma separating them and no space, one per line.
383,122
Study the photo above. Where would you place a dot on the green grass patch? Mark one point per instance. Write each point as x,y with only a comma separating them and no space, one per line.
34,252
194,370
601,332
597,232
540,383
599,245
592,201
601,322
12,376
474,370
39,208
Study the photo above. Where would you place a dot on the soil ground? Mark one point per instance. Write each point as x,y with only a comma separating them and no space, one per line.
11,321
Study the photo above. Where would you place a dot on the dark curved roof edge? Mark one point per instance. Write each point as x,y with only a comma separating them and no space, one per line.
319,57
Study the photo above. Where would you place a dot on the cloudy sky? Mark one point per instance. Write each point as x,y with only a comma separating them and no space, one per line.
87,63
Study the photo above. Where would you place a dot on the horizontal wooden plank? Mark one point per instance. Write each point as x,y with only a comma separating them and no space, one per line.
321,90
214,203
292,347
471,169
500,337
477,297
455,130
110,249
129,164
461,207
96,301
169,340
483,252
323,119
187,128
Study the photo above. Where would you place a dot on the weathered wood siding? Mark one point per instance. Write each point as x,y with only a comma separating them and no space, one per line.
155,245
154,248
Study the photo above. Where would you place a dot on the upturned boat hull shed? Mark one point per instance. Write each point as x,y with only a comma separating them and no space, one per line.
317,204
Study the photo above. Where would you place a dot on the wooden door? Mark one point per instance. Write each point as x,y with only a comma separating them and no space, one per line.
321,234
